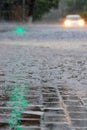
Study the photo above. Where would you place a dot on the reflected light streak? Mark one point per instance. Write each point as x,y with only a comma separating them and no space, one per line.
17,102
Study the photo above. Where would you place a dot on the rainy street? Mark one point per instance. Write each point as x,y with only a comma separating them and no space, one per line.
43,77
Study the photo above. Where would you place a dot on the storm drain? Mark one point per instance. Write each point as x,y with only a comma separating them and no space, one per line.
75,107
39,108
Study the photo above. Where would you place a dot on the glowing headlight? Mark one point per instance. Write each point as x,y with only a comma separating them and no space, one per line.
81,22
67,23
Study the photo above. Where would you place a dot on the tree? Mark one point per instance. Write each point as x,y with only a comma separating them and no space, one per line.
35,8
77,6
43,6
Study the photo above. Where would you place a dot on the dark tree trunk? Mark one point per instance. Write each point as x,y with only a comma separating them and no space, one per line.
31,7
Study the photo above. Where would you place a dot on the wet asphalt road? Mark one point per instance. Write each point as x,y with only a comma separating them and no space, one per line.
36,69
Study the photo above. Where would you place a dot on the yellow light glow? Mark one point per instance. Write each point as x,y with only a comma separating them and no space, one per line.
67,23
81,22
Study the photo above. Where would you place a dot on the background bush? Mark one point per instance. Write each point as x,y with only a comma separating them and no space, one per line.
77,6
43,6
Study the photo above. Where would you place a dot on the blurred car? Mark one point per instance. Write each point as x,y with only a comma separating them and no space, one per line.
74,20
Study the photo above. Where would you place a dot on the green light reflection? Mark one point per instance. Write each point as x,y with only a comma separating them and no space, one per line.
17,102
19,29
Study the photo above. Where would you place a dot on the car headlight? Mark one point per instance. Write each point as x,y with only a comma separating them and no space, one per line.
81,22
67,23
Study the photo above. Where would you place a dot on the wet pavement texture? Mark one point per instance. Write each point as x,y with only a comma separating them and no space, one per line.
34,94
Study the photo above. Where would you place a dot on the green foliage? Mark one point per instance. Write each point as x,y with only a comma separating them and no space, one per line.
83,14
43,6
77,6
